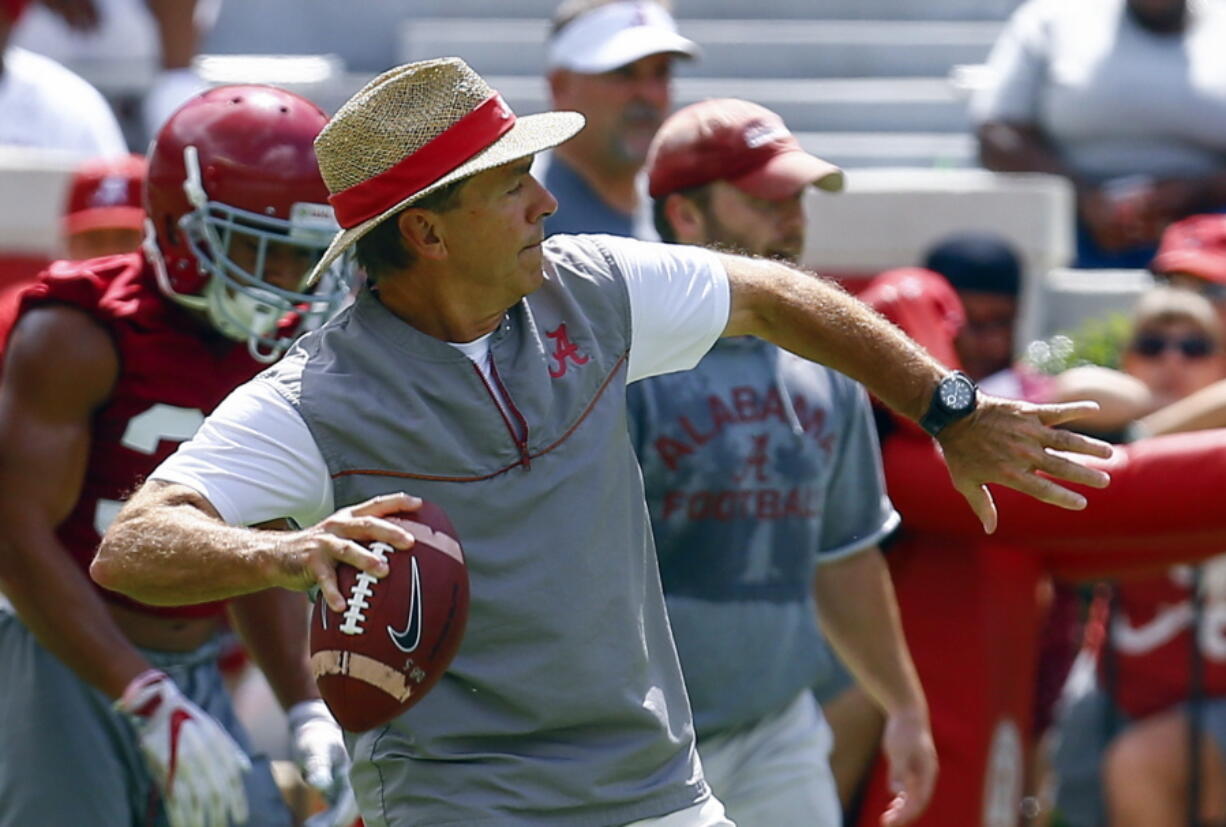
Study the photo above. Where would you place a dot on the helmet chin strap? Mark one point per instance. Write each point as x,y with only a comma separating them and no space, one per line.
240,315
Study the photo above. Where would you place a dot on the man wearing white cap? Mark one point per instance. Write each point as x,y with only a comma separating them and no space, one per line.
758,512
484,369
612,62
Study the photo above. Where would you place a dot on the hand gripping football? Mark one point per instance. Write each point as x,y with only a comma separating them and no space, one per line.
397,635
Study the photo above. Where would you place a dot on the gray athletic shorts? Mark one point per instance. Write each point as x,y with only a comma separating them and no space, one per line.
1084,732
67,759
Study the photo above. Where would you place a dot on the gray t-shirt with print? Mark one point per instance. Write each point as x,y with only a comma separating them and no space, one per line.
758,466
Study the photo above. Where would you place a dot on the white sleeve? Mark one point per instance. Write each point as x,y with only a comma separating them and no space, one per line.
254,459
100,134
1017,69
679,303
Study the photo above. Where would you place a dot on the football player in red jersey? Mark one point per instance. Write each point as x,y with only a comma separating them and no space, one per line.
113,711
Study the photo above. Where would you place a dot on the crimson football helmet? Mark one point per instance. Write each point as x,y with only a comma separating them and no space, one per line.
238,214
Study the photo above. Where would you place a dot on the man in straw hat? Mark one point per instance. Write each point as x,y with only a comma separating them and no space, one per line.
484,370
764,483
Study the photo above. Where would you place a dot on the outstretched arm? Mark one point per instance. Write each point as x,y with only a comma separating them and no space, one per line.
1204,409
1003,441
1163,506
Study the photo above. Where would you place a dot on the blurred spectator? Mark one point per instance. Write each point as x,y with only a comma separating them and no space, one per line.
971,603
1192,255
1176,344
44,105
987,275
1127,99
1174,352
160,36
180,25
741,582
1131,736
611,60
105,213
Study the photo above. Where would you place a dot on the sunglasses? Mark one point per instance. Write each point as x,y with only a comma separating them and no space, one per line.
1192,347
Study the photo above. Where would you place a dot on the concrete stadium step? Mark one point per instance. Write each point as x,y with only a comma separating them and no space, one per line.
731,48
760,9
858,150
839,105
365,33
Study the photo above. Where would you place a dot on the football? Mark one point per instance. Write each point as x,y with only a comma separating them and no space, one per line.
397,634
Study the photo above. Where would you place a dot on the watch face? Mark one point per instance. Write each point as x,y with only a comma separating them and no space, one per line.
957,393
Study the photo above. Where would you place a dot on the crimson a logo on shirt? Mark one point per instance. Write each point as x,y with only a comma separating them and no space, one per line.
754,466
565,352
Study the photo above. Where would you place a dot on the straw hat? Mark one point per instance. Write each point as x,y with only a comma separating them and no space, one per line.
413,130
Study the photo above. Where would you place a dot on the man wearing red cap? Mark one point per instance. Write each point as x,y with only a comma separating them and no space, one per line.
756,513
484,369
1192,254
105,214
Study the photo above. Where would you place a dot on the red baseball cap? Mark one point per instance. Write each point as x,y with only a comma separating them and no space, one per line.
1195,246
106,193
924,304
733,140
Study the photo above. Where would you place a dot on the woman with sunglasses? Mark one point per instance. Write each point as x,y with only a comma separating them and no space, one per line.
1176,345
1164,661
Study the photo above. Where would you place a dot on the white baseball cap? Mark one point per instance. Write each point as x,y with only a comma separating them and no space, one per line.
616,34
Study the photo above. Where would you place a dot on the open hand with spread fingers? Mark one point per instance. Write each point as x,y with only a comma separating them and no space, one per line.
1018,444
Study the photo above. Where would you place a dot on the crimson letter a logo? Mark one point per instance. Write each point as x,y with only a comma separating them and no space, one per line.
563,349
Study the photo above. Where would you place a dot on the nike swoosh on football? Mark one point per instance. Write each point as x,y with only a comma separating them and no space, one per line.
408,639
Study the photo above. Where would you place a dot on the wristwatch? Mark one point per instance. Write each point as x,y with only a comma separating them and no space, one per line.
954,398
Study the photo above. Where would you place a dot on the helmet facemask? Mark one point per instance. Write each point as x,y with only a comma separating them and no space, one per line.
234,246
